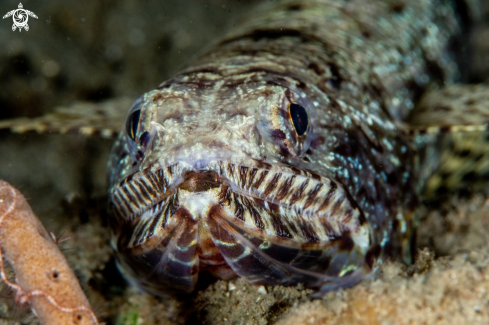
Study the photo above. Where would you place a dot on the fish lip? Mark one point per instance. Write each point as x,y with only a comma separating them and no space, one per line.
174,178
189,178
216,173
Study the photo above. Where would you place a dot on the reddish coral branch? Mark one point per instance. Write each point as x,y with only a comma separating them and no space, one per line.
43,277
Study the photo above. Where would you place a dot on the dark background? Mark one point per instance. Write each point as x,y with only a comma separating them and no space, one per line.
95,50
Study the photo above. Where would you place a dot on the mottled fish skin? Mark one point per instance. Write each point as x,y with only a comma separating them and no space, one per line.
216,177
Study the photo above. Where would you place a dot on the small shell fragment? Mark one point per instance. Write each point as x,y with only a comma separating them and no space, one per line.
262,290
231,286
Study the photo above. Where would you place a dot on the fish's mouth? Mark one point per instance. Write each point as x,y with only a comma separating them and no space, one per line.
269,224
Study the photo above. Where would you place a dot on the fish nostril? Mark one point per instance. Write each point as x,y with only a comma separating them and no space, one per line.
144,140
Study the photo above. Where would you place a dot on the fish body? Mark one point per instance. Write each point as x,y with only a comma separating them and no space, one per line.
279,155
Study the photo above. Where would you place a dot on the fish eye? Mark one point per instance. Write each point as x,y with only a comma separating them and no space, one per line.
132,124
299,117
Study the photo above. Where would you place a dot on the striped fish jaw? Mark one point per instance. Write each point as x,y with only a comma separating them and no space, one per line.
166,262
274,225
291,227
265,259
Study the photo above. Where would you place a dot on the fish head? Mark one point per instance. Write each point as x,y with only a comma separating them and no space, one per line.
213,177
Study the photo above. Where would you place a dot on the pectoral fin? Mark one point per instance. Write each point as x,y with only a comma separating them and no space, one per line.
451,129
94,119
